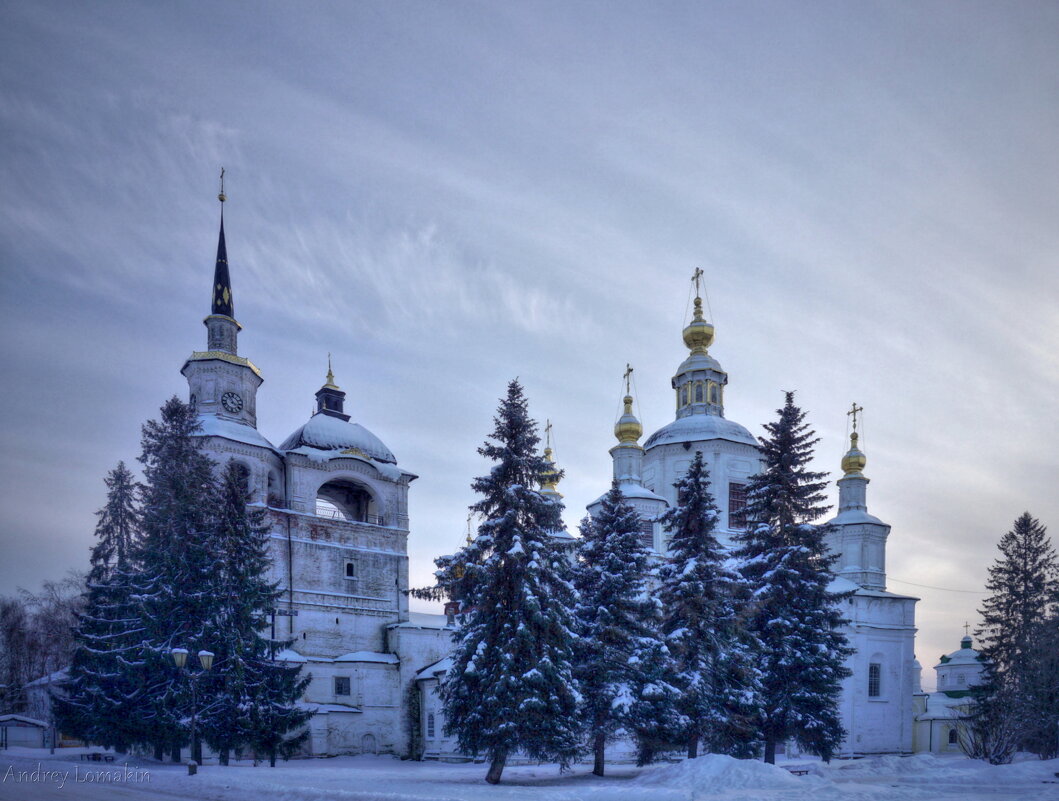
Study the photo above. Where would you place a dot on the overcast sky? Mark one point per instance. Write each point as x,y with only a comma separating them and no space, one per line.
449,195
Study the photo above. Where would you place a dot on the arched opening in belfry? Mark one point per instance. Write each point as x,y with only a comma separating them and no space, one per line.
343,499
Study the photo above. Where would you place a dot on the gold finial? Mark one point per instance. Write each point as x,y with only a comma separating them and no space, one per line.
550,477
698,335
854,460
628,429
330,375
222,197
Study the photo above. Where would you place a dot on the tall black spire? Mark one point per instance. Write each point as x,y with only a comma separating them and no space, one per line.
223,302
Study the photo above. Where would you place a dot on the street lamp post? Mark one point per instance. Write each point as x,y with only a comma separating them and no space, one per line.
180,658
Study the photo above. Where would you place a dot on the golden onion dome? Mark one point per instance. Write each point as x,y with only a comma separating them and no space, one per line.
698,335
550,477
854,460
628,429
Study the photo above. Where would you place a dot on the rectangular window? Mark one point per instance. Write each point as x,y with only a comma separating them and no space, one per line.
342,685
647,533
430,725
737,506
874,680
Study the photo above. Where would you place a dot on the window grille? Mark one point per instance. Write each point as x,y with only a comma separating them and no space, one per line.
874,680
342,685
430,725
647,533
953,736
737,506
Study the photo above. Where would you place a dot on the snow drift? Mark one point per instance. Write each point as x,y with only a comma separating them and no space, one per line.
716,773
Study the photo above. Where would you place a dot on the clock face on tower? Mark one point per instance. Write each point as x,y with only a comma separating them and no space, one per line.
231,402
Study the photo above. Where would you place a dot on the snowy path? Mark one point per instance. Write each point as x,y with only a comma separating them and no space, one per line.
385,779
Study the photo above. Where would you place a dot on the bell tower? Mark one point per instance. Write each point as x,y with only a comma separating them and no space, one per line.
858,537
220,381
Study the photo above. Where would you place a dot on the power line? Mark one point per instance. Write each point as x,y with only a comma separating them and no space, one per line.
932,587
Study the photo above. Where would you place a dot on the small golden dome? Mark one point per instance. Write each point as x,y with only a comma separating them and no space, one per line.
550,477
854,460
699,334
628,428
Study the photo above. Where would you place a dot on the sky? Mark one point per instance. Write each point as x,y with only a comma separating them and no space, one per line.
445,196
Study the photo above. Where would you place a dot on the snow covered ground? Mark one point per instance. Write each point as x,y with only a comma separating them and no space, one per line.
919,778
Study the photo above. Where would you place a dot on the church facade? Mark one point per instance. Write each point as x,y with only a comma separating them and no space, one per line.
337,504
876,703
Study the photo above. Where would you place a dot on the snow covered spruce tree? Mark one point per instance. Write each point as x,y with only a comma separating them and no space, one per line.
700,598
614,618
1024,591
175,583
511,686
248,699
794,614
98,698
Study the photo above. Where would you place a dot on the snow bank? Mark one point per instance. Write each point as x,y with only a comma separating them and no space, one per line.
713,773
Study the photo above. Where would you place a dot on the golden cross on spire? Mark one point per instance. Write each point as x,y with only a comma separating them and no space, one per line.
628,377
222,197
853,412
548,434
330,375
697,278
966,629
469,538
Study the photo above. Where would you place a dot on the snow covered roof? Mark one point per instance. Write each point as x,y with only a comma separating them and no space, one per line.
964,655
437,668
328,433
633,491
289,655
850,516
22,719
422,620
368,656
51,678
699,427
325,708
214,426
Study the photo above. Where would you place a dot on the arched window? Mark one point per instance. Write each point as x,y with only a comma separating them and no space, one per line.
874,680
954,737
351,571
343,499
698,392
430,724
686,394
714,394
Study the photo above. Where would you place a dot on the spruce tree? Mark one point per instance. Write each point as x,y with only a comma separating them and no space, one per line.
251,699
700,596
176,570
613,617
511,686
98,700
795,616
1018,621
654,716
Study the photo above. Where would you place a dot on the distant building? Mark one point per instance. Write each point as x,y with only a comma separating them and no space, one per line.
941,716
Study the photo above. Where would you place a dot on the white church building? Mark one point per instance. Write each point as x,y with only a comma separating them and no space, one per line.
337,503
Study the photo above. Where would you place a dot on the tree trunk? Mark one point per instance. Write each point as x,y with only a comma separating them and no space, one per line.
159,752
222,756
599,749
272,758
693,746
175,754
770,751
196,750
496,767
